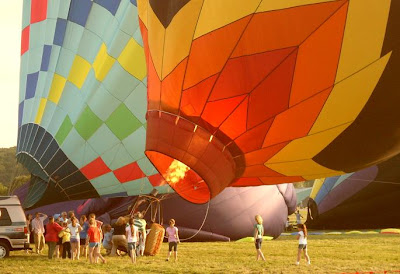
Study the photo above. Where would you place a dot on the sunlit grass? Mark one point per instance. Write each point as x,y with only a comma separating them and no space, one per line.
329,254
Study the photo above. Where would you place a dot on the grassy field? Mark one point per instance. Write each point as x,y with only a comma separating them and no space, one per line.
329,254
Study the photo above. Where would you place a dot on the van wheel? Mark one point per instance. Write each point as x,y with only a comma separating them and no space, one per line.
4,250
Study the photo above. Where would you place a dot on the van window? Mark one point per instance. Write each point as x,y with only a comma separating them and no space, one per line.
5,219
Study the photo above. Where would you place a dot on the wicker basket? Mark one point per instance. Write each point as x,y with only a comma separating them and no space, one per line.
154,240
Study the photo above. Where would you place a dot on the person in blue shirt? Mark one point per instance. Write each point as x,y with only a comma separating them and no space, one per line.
83,235
107,241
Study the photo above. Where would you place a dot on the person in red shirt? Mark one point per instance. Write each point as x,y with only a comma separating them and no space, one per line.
52,229
94,239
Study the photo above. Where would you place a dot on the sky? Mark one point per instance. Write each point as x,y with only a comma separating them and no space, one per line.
10,48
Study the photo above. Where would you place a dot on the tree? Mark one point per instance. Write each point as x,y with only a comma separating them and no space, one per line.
3,190
9,168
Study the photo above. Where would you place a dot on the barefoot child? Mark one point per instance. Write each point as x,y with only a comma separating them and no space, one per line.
93,238
132,236
173,239
258,236
302,237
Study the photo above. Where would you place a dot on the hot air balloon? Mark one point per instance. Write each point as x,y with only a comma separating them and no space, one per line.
365,199
246,93
82,107
213,93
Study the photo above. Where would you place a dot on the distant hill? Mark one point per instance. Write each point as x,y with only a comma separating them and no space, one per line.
9,169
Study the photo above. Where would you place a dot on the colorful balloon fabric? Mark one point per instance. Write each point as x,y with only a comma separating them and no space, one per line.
214,93
365,199
257,92
82,108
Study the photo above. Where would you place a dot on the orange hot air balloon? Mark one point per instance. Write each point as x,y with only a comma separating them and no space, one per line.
245,93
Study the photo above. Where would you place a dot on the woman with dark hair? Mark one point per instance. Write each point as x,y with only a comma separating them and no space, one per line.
302,237
29,226
82,235
118,238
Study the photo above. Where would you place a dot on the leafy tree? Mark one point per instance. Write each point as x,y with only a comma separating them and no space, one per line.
3,190
9,168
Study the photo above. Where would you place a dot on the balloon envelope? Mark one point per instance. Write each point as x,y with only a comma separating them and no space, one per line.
82,107
256,92
364,199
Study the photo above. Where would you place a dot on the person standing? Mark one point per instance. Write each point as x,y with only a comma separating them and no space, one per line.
93,239
140,223
107,240
302,237
75,228
118,238
65,234
83,234
173,239
29,225
38,231
52,230
298,217
64,216
258,236
132,235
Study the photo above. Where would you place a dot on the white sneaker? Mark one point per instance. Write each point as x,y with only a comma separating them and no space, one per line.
309,262
297,263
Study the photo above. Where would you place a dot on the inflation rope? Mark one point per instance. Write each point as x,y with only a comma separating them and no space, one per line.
204,221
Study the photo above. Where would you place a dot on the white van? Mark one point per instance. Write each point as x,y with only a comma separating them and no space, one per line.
13,229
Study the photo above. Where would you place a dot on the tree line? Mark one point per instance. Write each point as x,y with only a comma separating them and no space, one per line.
12,174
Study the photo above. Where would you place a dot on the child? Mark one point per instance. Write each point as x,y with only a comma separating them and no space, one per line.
107,241
75,228
65,234
258,236
132,236
173,239
302,237
93,238
140,223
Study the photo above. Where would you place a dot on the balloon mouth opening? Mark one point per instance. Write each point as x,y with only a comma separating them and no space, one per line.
181,178
176,145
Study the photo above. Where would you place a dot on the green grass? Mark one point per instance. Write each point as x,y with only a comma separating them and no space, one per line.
329,254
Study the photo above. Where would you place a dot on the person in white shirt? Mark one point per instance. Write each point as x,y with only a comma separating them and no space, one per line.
64,217
75,228
302,237
132,236
38,231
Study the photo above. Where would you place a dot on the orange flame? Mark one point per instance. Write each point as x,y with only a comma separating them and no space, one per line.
176,172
